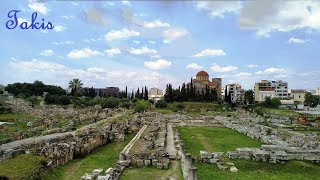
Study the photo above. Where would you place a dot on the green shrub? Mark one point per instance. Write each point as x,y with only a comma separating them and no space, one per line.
32,99
51,99
141,106
109,102
64,100
125,105
161,104
135,100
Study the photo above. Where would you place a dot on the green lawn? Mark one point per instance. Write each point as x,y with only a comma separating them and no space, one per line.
283,112
214,139
24,166
10,117
103,157
260,170
147,173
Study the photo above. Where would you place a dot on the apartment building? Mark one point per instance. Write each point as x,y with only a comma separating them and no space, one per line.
236,92
266,88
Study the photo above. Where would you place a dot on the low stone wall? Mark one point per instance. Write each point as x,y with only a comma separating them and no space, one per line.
63,147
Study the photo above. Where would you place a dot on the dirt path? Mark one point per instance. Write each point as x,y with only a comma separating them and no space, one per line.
170,147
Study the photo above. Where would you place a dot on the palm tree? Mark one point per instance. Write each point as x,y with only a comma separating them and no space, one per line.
75,85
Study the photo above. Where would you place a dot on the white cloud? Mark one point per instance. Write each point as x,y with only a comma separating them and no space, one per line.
252,65
121,34
74,3
272,70
159,64
47,52
155,24
297,41
152,42
173,34
67,17
36,65
113,51
194,66
83,53
96,70
37,6
59,28
136,42
243,75
63,43
271,16
219,8
223,69
210,52
143,50
127,3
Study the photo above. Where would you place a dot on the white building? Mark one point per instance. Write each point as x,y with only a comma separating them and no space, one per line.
271,89
318,91
236,93
155,94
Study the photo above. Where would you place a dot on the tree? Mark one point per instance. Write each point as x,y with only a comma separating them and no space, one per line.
64,100
110,102
132,95
161,104
51,99
249,97
141,106
75,86
146,93
311,100
126,94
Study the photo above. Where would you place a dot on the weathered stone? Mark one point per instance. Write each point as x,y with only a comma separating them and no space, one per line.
233,169
106,177
147,162
232,155
213,161
87,176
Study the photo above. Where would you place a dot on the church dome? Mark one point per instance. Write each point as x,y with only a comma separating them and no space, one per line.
202,73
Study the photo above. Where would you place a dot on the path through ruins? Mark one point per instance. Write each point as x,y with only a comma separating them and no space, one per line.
170,148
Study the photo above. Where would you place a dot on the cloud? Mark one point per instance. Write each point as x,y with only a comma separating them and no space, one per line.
219,8
210,52
152,42
159,64
272,70
59,74
194,66
142,51
136,42
252,65
243,75
97,16
121,34
297,41
113,51
47,52
62,43
38,6
173,34
83,53
280,16
222,69
155,24
59,28
127,3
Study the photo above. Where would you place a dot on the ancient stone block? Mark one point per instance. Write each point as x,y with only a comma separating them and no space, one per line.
233,169
213,161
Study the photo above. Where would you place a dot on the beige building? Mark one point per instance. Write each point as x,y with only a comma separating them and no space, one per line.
155,94
202,80
297,95
318,91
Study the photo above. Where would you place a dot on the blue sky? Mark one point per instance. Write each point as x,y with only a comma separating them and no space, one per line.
136,43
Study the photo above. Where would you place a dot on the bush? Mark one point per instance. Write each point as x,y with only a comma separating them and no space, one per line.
32,99
64,100
51,99
126,105
135,100
141,106
175,107
161,104
109,102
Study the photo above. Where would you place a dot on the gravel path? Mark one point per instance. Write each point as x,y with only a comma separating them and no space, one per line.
170,148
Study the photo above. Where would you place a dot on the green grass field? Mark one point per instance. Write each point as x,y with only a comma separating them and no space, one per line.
103,157
148,173
24,166
295,170
214,139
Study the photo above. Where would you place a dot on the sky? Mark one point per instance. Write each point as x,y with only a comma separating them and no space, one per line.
152,43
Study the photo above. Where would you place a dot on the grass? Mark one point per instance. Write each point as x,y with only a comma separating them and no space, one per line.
262,170
147,173
283,112
24,166
214,139
103,157
164,111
